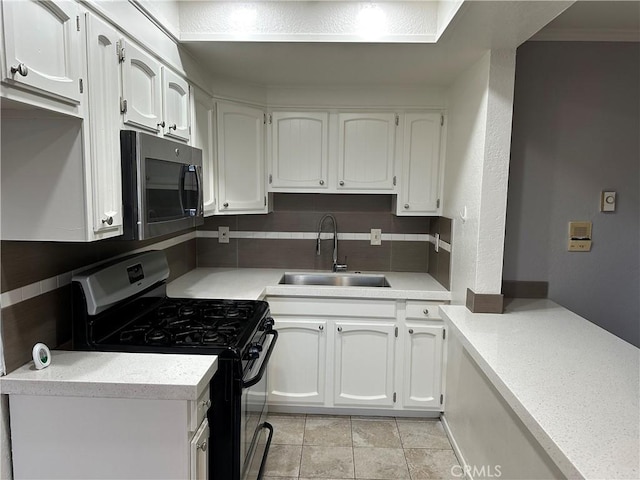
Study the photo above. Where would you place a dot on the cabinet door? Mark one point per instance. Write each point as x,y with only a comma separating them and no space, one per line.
422,366
241,180
104,126
141,88
203,133
199,453
364,364
366,144
420,182
297,366
42,46
299,150
175,91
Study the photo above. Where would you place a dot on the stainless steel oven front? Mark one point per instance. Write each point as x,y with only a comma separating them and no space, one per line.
162,185
255,431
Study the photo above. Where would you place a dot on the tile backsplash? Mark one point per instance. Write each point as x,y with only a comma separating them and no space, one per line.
300,213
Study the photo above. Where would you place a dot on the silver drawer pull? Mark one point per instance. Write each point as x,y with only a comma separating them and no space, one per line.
108,220
225,204
205,403
425,311
406,206
202,446
339,329
321,182
161,124
411,331
321,327
341,183
173,127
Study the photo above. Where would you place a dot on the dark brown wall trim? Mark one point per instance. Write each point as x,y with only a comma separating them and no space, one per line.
484,302
524,289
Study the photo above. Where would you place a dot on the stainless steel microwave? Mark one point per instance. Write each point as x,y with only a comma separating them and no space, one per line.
161,186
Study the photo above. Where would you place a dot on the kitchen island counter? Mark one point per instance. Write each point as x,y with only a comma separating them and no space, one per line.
258,283
115,375
572,384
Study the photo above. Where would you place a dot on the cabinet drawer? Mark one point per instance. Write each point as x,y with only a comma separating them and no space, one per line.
336,307
423,310
198,410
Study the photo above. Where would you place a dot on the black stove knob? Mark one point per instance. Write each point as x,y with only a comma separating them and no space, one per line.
267,324
254,351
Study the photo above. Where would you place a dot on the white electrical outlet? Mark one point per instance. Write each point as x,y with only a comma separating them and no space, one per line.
376,236
223,234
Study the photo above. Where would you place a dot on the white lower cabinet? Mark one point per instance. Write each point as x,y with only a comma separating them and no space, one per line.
364,364
81,437
356,354
422,347
298,364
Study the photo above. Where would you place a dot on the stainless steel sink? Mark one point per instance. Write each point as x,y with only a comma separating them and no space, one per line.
335,279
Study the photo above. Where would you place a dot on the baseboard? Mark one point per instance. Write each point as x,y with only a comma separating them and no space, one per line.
456,448
368,412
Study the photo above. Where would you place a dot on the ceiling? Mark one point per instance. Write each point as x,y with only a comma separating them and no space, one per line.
477,27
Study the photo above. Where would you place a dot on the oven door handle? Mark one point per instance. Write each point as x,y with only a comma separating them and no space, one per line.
252,381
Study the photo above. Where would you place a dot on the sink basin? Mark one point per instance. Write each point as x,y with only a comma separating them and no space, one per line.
335,279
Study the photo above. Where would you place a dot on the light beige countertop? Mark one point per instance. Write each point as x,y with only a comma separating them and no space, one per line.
574,385
257,283
115,375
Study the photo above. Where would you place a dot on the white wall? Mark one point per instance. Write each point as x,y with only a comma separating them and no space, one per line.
476,170
575,133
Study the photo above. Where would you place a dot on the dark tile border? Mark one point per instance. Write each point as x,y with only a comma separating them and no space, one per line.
525,289
484,302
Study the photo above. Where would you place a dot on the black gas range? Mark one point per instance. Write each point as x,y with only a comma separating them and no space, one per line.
122,306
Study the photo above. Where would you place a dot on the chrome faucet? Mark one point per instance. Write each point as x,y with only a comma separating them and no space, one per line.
337,267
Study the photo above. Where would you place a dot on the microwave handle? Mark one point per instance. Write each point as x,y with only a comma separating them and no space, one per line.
200,208
196,170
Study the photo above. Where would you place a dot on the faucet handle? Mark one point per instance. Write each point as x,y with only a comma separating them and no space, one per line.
340,267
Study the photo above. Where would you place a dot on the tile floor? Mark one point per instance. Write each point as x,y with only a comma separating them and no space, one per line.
372,448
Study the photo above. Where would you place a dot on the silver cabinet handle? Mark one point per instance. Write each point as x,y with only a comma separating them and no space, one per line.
406,206
108,220
425,311
173,127
321,327
341,183
161,124
205,403
21,68
411,331
339,329
321,182
202,446
225,204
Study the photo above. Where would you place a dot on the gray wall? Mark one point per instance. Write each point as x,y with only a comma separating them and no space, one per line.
576,132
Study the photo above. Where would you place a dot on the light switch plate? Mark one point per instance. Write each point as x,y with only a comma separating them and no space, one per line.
608,202
376,236
223,234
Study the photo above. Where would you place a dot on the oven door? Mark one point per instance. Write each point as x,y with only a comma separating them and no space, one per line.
255,431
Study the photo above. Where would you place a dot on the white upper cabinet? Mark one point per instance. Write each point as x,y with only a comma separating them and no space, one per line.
366,151
202,138
42,47
241,170
299,151
141,88
104,127
175,92
421,165
422,365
